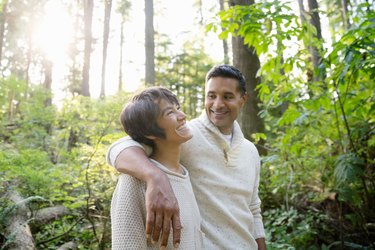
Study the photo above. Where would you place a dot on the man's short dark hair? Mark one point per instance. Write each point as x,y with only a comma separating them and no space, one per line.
139,117
228,71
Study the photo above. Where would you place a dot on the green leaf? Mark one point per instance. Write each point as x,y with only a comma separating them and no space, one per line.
348,168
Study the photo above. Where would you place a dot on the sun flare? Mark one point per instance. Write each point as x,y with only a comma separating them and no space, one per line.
53,32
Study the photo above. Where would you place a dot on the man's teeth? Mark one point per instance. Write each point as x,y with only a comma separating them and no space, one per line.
219,113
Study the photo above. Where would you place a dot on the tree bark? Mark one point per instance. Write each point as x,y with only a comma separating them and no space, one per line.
225,42
3,16
48,214
107,18
123,9
88,12
68,246
247,61
120,81
48,65
345,14
314,51
18,226
149,43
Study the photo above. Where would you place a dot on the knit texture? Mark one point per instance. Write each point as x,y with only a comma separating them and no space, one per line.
128,213
225,179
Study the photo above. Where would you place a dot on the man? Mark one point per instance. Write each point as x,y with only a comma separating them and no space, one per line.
224,169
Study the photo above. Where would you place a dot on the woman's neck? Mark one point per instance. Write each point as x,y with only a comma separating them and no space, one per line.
169,156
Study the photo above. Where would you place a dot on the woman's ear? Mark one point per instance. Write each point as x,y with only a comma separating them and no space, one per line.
150,137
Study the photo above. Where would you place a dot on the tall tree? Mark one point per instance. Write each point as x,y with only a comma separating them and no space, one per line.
311,17
48,69
314,49
149,43
247,61
345,14
75,67
123,9
225,42
3,15
107,18
88,6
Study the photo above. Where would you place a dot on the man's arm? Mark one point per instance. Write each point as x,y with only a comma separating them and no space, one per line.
261,244
259,233
161,203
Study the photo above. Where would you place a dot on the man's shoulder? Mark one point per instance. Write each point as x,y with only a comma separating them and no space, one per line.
249,144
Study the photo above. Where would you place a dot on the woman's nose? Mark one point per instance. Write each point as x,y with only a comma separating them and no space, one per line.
181,115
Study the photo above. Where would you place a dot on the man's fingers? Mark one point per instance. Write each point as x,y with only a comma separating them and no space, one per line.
157,228
150,221
165,232
176,227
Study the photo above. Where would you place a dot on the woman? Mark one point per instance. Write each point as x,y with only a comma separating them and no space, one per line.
154,118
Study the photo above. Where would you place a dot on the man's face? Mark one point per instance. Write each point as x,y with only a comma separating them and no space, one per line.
223,102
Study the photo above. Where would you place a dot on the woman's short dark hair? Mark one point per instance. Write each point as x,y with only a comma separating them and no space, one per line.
139,117
228,71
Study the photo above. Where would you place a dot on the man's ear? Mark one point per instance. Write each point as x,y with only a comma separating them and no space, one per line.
245,97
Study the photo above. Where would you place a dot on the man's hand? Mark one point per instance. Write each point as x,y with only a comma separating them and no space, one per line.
161,204
261,244
162,210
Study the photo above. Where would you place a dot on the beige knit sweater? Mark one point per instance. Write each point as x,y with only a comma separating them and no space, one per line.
128,213
225,179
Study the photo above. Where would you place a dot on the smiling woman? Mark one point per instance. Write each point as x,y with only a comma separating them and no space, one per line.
53,32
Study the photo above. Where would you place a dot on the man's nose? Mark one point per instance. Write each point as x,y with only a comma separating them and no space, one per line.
218,102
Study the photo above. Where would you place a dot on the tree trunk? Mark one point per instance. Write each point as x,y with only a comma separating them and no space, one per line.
314,19
302,11
107,18
47,64
48,214
68,246
88,12
3,17
314,51
149,43
123,9
247,61
18,226
345,14
120,83
225,42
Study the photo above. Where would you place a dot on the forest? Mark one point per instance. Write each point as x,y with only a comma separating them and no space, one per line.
310,71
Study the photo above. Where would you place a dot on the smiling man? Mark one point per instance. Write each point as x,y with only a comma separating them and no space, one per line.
224,169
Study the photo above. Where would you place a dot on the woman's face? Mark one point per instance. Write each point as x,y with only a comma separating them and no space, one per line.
173,121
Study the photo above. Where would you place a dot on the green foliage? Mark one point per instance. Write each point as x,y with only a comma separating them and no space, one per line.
59,154
184,74
292,229
319,134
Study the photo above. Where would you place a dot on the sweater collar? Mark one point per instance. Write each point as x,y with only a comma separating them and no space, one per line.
237,133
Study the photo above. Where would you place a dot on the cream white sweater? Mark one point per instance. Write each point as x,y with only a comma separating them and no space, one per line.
225,180
128,213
